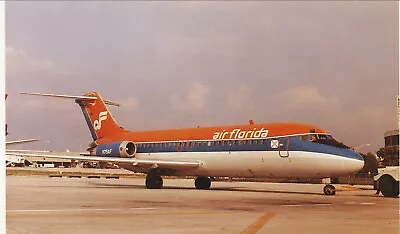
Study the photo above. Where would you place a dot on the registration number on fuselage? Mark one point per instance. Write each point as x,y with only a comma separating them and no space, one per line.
106,151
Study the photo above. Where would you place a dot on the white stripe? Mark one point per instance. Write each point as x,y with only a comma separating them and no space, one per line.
367,203
350,202
88,209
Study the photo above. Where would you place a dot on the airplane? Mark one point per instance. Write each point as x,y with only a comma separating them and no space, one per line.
274,150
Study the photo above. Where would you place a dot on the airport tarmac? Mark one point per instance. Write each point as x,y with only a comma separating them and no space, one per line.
39,204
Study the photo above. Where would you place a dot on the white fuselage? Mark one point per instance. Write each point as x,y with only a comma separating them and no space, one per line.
290,164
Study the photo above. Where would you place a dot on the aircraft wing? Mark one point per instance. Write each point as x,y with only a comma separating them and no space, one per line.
20,141
170,164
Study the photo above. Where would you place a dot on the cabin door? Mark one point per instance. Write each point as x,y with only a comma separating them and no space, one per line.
282,144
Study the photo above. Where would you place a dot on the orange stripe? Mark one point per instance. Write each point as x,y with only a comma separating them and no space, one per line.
207,133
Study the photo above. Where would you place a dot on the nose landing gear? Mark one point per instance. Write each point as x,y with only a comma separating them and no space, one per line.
329,190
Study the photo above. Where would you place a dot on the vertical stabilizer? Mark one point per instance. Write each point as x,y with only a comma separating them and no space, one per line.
98,117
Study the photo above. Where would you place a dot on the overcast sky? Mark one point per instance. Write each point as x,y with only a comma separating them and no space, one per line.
183,64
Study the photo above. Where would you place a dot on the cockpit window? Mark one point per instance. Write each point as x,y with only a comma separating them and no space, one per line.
304,137
329,140
313,137
323,139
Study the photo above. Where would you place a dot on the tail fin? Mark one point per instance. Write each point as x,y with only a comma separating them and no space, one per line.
97,116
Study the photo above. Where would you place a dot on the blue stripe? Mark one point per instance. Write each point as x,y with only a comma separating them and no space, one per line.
292,143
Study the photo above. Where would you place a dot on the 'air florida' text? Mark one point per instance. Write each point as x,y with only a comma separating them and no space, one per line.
239,134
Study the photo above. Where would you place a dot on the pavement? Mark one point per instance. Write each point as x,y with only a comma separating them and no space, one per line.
40,204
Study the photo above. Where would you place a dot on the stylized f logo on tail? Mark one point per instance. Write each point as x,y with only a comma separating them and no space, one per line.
97,123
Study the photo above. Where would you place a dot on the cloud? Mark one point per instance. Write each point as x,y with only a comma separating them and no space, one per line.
129,103
194,100
240,98
47,104
18,62
304,97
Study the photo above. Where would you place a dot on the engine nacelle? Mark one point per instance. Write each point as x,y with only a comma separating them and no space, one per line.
125,149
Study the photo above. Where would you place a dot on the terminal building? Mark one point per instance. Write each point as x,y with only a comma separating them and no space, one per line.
390,153
392,138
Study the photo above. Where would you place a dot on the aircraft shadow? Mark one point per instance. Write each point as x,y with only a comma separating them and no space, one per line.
226,189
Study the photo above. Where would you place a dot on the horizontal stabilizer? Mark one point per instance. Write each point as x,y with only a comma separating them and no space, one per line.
72,97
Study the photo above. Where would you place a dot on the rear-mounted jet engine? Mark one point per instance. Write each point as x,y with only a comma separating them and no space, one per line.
124,149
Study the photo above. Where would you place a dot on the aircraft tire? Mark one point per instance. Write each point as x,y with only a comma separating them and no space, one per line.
329,190
202,182
154,182
388,186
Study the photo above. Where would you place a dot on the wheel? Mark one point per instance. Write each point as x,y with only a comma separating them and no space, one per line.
202,182
154,182
388,186
329,190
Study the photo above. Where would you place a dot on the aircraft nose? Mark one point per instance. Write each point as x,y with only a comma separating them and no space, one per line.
354,163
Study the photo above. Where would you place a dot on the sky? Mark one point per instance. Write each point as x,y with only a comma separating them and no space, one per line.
186,64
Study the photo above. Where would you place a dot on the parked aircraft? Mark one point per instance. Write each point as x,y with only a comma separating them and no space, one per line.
284,150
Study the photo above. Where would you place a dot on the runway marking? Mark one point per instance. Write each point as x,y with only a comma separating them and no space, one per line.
300,205
81,209
350,202
351,187
293,205
367,203
258,224
104,212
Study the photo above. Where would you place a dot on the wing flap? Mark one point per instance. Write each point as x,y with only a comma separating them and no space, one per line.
170,164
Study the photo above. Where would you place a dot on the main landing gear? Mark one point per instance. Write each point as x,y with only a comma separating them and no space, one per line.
329,190
202,182
153,181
